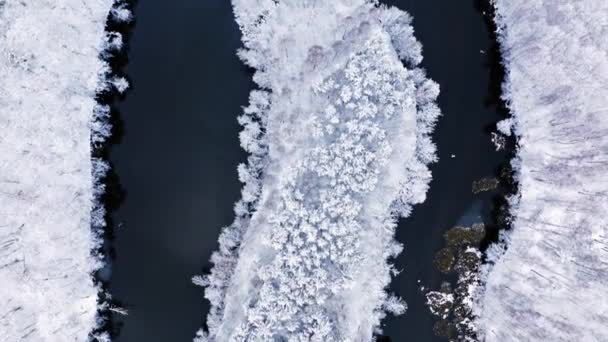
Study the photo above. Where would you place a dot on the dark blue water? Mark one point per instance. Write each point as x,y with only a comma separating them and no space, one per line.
176,162
179,149
460,54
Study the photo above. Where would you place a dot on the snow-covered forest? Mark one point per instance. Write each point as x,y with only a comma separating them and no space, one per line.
51,221
551,282
338,136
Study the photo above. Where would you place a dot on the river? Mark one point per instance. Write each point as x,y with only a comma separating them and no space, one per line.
176,159
176,162
460,54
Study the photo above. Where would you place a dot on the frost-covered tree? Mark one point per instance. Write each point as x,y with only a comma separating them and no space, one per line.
339,142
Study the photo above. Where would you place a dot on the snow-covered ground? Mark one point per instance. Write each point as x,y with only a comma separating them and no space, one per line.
50,71
551,284
339,144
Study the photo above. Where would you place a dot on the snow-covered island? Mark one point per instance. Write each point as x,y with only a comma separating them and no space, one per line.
50,220
551,282
338,137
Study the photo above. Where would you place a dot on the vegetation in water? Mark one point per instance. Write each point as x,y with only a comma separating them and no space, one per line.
452,304
485,184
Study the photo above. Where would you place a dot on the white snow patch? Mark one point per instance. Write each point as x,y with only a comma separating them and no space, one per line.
49,185
551,283
505,126
439,303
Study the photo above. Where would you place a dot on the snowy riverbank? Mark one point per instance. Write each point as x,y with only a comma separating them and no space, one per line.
339,146
51,222
552,281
